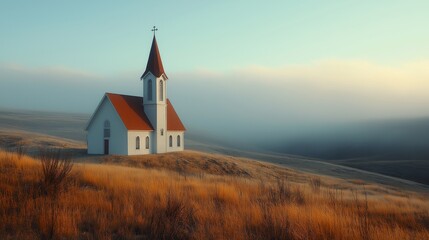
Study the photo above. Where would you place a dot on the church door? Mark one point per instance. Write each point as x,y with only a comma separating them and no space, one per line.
106,146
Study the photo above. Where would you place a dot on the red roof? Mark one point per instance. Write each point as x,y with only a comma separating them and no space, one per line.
154,63
131,111
173,121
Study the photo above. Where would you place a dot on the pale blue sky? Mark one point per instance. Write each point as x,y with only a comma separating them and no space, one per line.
106,37
240,66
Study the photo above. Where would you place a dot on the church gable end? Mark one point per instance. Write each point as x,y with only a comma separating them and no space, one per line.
115,142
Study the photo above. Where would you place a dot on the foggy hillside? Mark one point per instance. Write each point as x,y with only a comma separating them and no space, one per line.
388,140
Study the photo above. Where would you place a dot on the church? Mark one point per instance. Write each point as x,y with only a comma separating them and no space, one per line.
133,125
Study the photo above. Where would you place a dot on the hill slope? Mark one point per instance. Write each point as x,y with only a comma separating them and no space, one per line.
100,201
242,163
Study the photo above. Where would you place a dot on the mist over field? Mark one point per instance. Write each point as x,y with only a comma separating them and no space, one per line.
331,109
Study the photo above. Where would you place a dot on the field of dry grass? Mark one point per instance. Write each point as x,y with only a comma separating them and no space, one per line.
105,201
32,142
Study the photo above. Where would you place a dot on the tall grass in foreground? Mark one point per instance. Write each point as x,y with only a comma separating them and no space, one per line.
112,202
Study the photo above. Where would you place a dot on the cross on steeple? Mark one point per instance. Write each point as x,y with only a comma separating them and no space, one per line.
154,63
154,29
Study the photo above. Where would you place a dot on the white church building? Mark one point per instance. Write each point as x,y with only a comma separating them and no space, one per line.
133,125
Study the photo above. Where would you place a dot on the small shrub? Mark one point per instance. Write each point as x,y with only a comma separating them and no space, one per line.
174,221
56,169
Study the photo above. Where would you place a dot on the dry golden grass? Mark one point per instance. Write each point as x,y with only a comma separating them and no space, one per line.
119,202
197,163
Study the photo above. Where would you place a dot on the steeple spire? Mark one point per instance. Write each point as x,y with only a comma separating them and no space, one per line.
154,63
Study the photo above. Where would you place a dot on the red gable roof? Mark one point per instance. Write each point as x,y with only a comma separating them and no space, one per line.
173,121
154,63
130,110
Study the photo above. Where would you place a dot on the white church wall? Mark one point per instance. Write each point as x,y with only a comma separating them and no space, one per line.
118,133
132,135
174,147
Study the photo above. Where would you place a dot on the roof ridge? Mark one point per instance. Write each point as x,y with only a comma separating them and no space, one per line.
122,94
126,95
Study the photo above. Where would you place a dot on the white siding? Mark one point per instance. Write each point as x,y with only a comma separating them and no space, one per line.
118,133
156,112
174,135
157,116
132,135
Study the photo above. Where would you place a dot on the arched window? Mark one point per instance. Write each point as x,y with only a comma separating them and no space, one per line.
170,141
178,140
149,90
106,129
137,142
147,142
161,90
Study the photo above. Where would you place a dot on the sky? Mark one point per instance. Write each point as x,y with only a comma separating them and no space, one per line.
242,66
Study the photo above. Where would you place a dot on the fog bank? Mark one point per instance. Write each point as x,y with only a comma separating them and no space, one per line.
248,106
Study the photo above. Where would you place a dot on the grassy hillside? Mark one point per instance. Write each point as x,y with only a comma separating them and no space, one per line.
395,148
193,161
31,142
217,201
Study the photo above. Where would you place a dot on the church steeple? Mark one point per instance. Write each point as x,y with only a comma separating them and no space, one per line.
154,63
155,97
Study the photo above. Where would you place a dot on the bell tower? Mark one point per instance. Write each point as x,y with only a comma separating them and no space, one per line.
155,98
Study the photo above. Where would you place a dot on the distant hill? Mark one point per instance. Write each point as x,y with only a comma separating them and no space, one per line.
397,147
387,140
